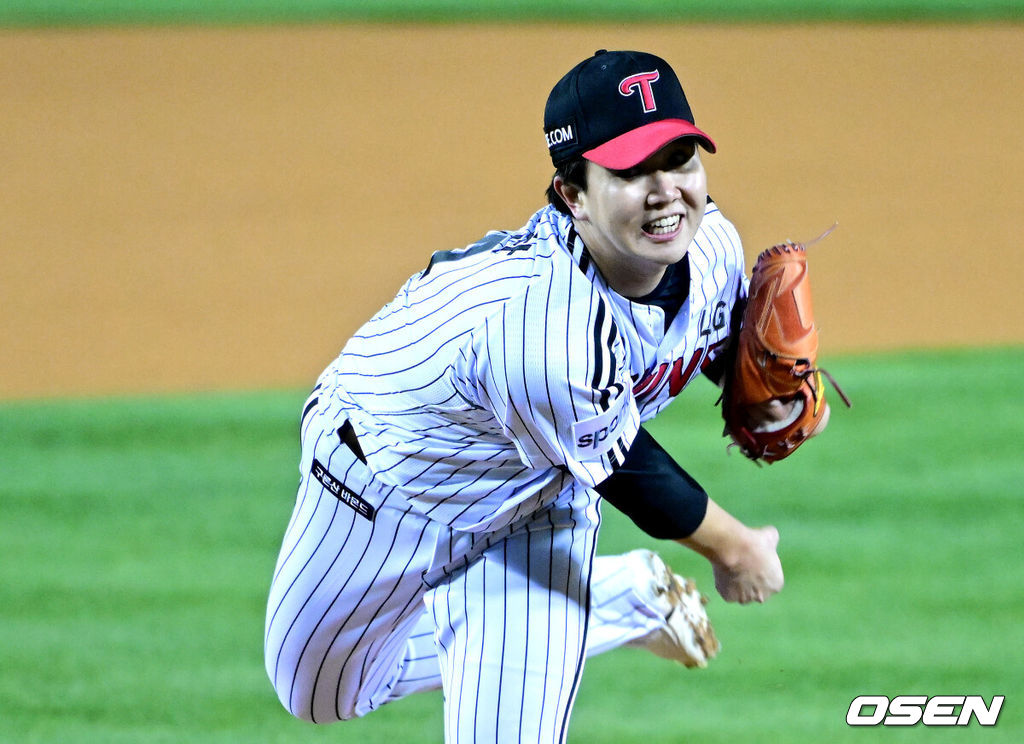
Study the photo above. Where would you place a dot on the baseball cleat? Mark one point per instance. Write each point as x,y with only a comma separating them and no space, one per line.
686,635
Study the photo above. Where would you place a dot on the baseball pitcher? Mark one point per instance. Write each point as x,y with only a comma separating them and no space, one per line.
457,454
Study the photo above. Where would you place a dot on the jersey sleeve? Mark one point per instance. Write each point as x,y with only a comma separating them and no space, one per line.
550,366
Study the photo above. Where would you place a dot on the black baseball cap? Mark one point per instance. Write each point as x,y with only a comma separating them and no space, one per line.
616,109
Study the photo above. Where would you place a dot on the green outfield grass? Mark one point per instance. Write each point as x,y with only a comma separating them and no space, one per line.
139,536
75,12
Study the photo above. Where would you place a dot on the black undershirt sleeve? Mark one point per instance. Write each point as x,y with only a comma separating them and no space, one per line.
650,488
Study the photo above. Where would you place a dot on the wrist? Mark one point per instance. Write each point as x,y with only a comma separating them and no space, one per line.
721,538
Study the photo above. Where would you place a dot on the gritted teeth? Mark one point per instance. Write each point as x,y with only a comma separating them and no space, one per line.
663,225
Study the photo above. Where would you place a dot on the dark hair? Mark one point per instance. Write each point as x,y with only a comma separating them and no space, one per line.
573,172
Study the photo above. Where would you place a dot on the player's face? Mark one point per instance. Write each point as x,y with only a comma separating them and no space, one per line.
639,221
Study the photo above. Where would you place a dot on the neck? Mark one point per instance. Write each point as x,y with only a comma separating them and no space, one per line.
633,277
631,284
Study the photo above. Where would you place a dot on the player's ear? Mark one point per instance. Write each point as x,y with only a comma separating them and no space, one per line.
571,194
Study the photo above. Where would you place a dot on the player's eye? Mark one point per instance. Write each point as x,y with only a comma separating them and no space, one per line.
682,155
675,158
629,174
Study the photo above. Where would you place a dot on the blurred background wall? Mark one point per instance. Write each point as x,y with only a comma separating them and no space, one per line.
219,207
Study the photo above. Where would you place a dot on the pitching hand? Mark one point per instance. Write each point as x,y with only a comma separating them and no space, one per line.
755,572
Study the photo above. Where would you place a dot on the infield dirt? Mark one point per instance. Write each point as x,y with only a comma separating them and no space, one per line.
202,209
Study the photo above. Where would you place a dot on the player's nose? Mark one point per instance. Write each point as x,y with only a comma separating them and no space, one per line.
664,188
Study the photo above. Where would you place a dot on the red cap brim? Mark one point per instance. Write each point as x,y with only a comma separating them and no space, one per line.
637,145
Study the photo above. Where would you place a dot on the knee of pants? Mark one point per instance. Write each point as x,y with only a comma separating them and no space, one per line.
301,702
312,699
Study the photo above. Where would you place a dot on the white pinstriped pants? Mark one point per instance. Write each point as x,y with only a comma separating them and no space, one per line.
353,624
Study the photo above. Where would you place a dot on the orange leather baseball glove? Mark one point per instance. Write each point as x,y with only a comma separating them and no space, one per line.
776,361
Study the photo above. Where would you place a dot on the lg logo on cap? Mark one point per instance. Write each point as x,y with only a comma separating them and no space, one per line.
641,82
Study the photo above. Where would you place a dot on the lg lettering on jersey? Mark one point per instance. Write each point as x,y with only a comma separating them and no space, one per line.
715,322
641,82
910,710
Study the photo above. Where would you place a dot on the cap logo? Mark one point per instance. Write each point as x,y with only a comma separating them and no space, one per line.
641,82
560,136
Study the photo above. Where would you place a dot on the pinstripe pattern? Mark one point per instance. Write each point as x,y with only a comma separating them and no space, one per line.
489,397
342,584
464,389
350,626
474,392
530,593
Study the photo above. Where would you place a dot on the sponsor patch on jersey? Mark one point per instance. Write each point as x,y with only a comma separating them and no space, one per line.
342,493
593,437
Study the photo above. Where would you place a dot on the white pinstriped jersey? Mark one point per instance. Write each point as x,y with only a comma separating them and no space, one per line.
507,366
